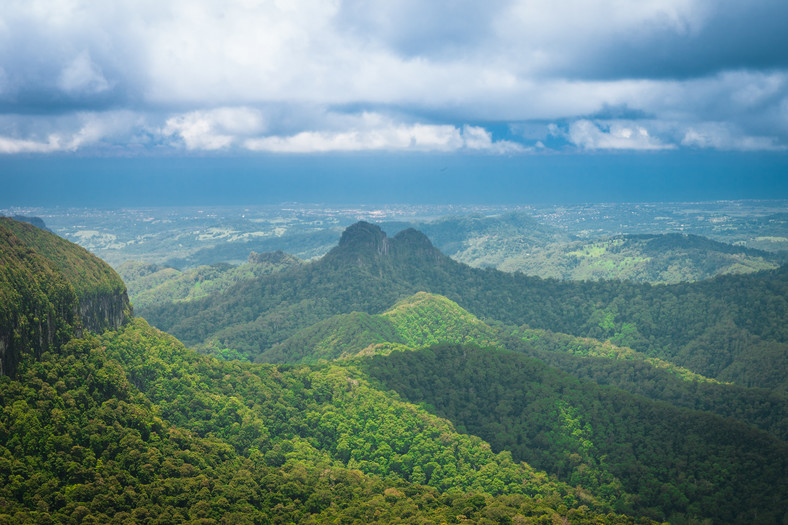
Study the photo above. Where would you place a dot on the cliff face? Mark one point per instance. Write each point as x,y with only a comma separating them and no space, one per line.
104,311
50,291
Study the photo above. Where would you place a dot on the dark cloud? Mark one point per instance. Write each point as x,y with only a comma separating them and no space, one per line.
437,28
193,74
735,36
619,112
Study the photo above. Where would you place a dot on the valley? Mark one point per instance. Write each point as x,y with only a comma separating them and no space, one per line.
386,382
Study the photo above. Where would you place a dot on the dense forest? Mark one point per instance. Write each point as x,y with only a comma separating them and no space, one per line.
381,401
149,284
729,328
132,427
675,461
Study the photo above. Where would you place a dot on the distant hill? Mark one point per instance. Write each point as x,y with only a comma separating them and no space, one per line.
50,290
152,284
304,245
518,242
668,258
486,241
730,328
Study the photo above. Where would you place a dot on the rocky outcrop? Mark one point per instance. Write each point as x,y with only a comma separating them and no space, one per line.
364,244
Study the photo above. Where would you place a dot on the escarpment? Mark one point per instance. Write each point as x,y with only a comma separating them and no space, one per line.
51,290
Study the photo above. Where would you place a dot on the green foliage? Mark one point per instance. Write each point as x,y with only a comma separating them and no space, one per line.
607,365
331,407
133,427
516,242
638,454
50,290
730,328
151,284
667,258
426,319
86,273
545,342
339,336
420,320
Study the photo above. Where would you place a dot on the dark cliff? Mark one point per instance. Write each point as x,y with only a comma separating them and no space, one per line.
50,291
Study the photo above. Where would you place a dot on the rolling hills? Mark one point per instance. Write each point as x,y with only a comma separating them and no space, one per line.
151,284
516,242
730,328
129,425
390,403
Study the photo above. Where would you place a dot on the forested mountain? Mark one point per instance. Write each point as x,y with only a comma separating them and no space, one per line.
50,289
132,426
420,320
676,463
730,328
427,319
129,426
153,284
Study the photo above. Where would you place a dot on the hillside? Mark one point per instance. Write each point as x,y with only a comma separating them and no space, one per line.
50,290
730,328
130,426
119,431
431,319
420,320
677,463
152,284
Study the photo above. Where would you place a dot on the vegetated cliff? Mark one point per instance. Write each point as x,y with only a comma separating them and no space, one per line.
50,291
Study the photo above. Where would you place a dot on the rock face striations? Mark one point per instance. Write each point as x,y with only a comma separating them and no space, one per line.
50,291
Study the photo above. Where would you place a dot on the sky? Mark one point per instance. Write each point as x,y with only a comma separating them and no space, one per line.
314,100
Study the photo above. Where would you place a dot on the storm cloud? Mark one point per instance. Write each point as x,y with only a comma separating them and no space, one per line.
311,76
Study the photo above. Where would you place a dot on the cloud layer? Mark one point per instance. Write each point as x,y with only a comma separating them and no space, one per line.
313,76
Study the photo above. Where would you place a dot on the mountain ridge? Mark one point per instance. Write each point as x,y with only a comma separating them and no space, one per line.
131,424
728,328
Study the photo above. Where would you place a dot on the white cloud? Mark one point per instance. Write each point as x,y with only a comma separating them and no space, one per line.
478,138
10,145
721,136
45,134
214,129
617,135
387,137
